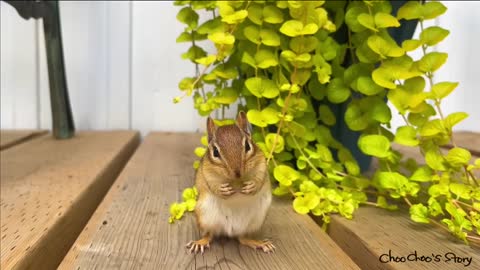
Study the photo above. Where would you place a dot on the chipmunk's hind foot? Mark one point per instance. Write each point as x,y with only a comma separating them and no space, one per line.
199,245
265,245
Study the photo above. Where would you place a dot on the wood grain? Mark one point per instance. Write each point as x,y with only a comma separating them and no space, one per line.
9,138
130,229
50,188
468,140
374,231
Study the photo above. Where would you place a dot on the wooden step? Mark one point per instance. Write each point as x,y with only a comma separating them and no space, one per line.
50,188
374,234
9,138
130,229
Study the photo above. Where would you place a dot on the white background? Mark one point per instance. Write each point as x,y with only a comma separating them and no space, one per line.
123,67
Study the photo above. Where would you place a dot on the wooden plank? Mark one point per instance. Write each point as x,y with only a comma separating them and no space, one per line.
9,138
468,140
374,232
50,188
130,229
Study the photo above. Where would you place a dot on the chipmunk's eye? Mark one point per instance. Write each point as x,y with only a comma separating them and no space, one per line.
247,146
215,152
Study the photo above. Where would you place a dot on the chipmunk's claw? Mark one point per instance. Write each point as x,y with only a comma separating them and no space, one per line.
226,189
196,246
248,187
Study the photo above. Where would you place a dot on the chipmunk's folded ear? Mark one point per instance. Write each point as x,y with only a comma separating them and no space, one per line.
211,128
242,122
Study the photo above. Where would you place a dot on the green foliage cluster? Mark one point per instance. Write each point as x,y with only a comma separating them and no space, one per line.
280,62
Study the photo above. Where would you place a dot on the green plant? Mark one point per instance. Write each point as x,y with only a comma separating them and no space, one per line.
280,61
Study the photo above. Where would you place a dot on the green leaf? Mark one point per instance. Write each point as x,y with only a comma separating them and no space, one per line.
442,89
422,174
303,44
432,61
255,14
367,86
211,26
458,157
262,118
392,180
272,14
433,35
200,151
190,204
236,17
265,59
354,10
248,59
226,96
411,44
355,118
207,60
285,175
326,115
269,37
461,190
375,145
294,28
367,21
262,87
452,119
177,210
438,190
385,20
432,128
384,78
303,205
383,47
382,203
431,10
435,160
222,38
189,37
337,92
410,10
189,193
406,135
419,213
188,16
270,139
434,207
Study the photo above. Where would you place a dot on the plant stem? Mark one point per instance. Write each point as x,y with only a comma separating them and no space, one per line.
307,159
284,110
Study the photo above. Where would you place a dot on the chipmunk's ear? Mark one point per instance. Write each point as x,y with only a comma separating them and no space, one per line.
242,122
211,128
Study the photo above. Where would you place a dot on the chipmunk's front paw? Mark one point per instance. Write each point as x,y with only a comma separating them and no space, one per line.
199,245
248,187
226,189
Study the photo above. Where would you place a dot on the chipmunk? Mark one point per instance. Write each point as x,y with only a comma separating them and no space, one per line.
234,191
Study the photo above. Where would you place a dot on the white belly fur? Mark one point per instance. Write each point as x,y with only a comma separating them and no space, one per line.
236,216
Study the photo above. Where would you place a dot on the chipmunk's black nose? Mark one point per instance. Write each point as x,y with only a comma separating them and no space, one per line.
237,173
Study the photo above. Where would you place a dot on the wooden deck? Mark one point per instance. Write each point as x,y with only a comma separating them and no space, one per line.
9,138
49,190
130,229
374,232
54,213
